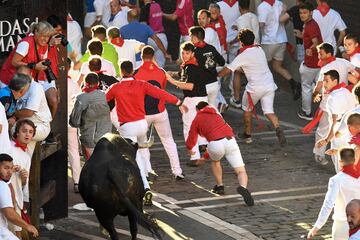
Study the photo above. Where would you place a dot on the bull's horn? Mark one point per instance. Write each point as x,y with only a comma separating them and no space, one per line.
147,144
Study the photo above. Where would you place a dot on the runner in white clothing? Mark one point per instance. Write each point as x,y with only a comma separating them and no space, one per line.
7,211
261,86
342,188
211,37
353,218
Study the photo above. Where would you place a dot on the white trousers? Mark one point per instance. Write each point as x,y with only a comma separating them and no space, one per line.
340,230
300,52
136,131
188,117
321,132
308,77
212,90
42,131
73,153
159,55
162,126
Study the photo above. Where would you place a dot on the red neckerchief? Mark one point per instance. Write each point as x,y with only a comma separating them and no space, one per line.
322,63
355,140
271,2
318,114
20,145
353,231
148,65
351,170
100,72
241,50
200,44
118,41
88,88
192,61
357,50
231,3
323,8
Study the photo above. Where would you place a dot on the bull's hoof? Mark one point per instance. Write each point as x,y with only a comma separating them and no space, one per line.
148,198
103,231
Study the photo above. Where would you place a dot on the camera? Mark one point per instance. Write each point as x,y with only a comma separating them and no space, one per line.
48,71
63,41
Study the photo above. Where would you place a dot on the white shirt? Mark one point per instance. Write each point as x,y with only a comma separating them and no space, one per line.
102,8
249,20
72,90
274,31
120,18
4,134
5,202
342,189
328,24
355,60
74,36
35,100
254,64
339,102
23,49
355,236
128,50
106,66
342,66
230,14
343,128
212,38
22,159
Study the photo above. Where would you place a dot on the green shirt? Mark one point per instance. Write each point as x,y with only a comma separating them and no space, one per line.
109,53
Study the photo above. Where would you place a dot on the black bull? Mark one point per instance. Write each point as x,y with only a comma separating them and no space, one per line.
111,184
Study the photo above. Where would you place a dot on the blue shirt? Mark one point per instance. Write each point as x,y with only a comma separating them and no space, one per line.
8,101
137,31
90,6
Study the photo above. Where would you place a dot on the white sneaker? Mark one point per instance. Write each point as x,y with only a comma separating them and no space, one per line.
234,103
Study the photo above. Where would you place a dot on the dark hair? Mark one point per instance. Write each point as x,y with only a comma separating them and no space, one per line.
207,12
147,52
334,75
126,68
95,47
201,105
356,92
198,32
92,78
327,47
214,5
246,36
5,158
351,36
244,4
19,81
95,64
187,46
347,155
98,30
354,119
307,5
21,123
54,21
113,32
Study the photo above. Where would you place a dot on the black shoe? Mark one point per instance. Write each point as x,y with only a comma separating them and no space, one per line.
218,190
301,114
202,148
281,137
296,91
148,198
50,139
76,188
246,195
245,137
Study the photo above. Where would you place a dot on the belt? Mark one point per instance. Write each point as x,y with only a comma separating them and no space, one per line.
227,137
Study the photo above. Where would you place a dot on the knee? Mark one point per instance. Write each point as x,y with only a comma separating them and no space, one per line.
240,171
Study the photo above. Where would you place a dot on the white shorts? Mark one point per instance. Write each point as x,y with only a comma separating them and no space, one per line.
266,100
46,85
274,51
136,131
228,148
89,19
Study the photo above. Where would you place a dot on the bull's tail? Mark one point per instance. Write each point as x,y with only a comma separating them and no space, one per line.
145,220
